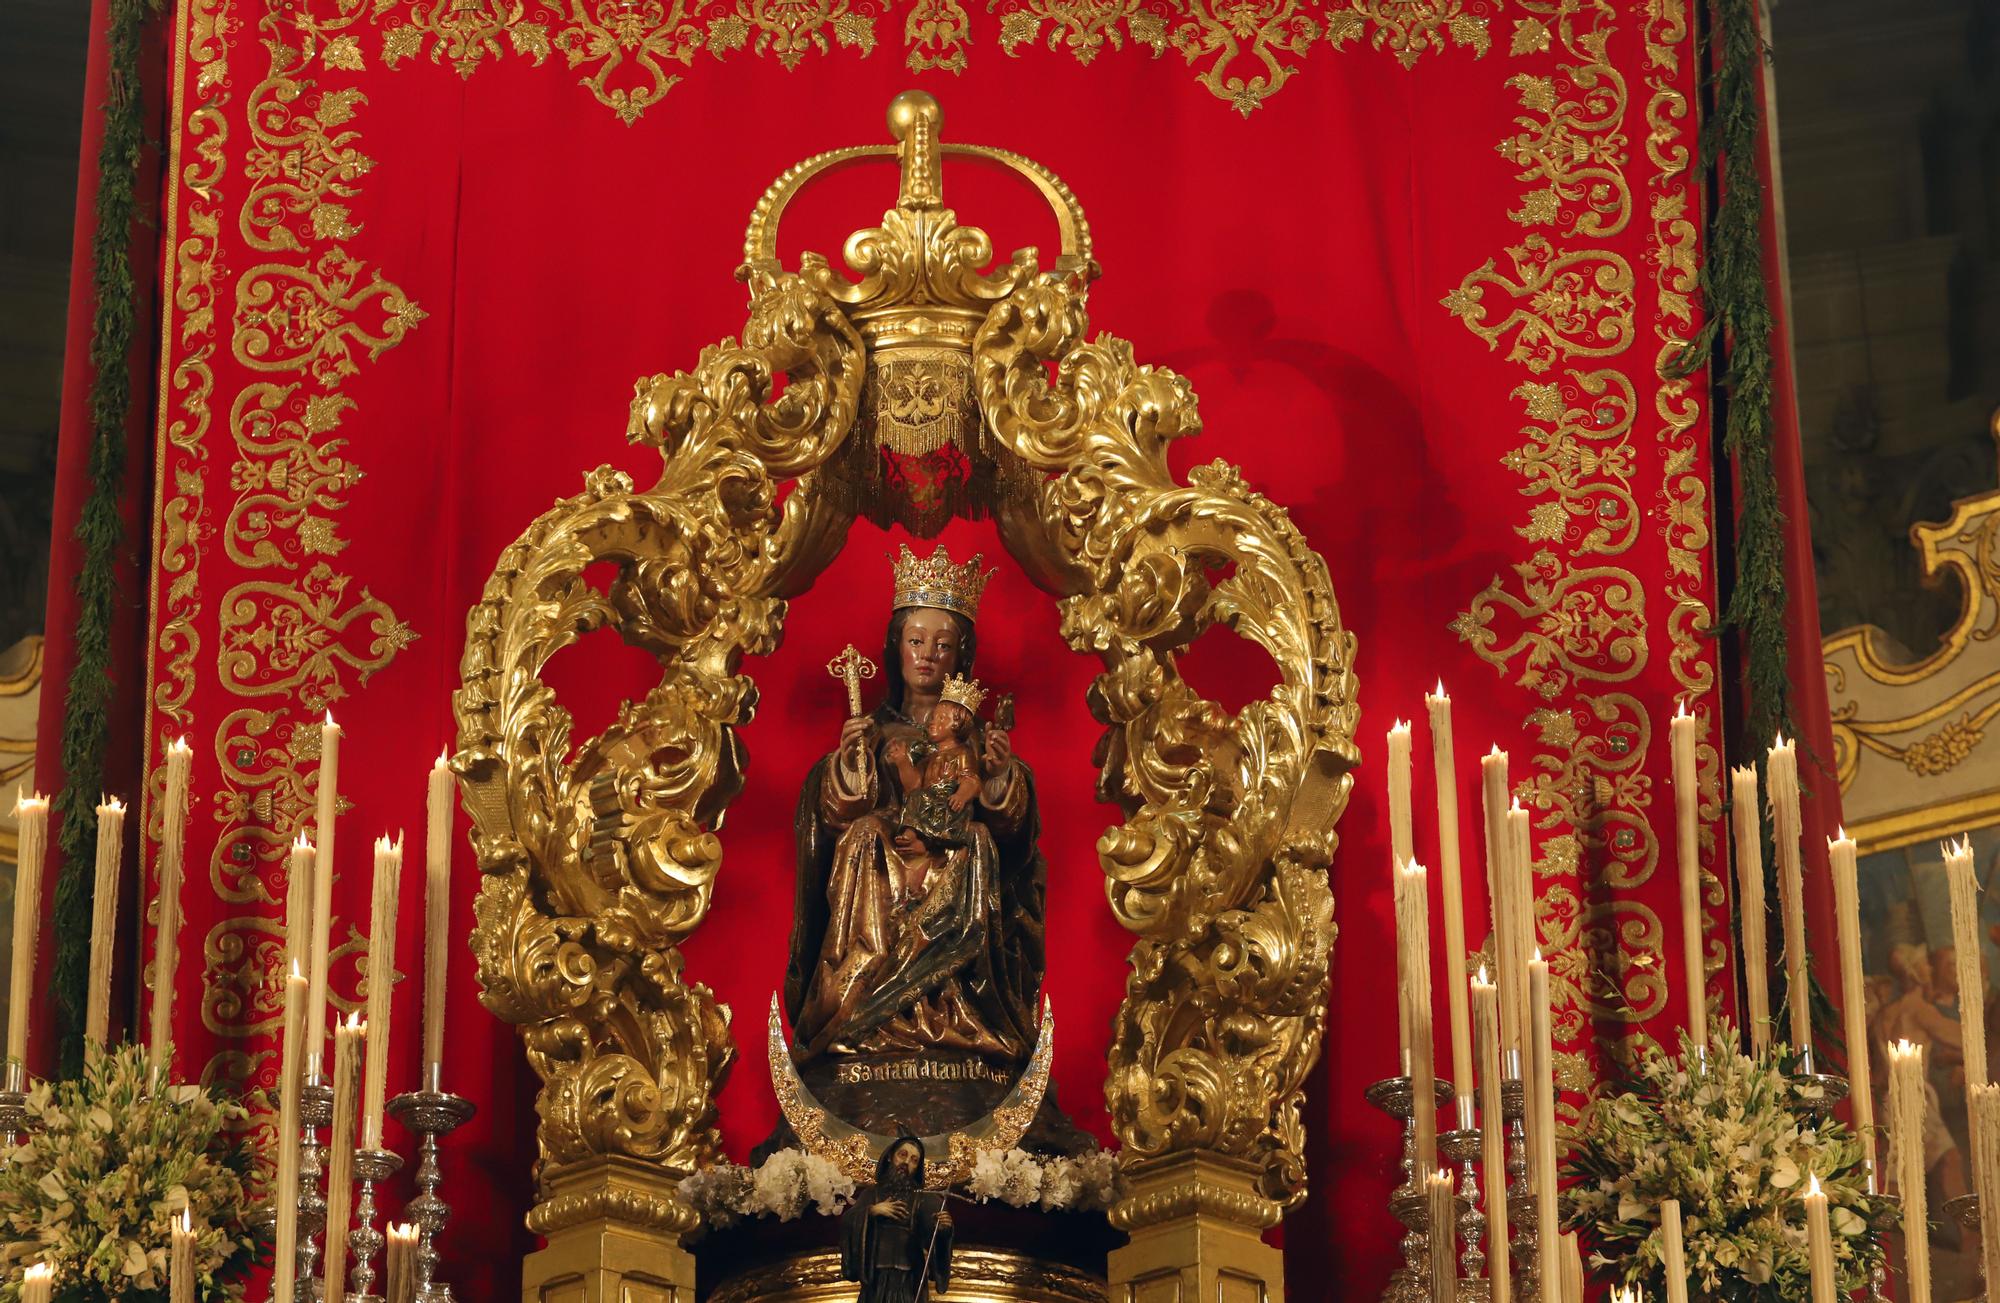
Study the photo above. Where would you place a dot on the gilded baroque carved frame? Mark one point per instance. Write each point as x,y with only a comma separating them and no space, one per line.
597,866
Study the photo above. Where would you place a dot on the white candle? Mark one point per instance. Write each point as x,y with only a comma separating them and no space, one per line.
104,920
1782,768
347,1040
1542,1098
1853,1002
180,1261
322,903
381,976
1400,848
1687,845
1983,1113
1443,1237
1966,947
31,814
166,940
1493,785
1492,1136
1453,901
300,866
38,1283
400,1278
1907,1165
1750,903
1819,1244
1673,1253
291,1079
1413,958
1520,894
437,908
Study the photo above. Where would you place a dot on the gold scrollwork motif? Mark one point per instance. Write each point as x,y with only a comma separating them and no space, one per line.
600,862
1406,28
1219,865
1584,458
1569,623
1578,304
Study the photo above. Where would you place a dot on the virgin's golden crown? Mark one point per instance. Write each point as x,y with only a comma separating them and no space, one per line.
962,691
935,582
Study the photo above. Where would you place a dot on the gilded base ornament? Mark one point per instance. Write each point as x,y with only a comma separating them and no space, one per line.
599,855
613,1230
977,1276
1196,1224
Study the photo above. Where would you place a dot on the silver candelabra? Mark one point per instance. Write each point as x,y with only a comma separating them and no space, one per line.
364,1241
431,1113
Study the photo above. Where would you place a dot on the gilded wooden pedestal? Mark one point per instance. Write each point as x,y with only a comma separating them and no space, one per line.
1196,1223
614,1233
977,1276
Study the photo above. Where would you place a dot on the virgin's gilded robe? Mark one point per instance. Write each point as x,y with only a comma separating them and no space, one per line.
902,945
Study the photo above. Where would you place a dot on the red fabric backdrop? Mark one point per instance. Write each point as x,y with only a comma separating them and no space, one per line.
1424,289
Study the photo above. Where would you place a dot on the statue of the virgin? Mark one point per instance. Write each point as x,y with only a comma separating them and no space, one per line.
917,946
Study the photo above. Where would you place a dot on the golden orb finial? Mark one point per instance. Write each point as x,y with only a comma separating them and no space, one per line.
911,105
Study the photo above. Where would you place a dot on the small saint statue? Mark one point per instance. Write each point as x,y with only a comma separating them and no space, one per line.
895,1238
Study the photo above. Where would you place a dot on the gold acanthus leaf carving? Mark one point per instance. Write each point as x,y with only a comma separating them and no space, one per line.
1219,866
600,859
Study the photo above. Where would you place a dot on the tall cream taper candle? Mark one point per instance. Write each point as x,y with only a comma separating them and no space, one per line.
1673,1251
167,937
1452,900
400,1277
381,977
1983,1112
1966,947
1443,1237
1400,851
300,868
1493,785
1413,962
325,817
1853,1002
1542,1099
38,1283
1746,817
437,909
1687,848
291,1074
1782,768
1524,939
31,815
1907,1165
347,1039
104,920
1819,1245
180,1259
1492,1137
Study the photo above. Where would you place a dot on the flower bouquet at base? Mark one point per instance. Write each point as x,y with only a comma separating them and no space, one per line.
106,1169
1728,1138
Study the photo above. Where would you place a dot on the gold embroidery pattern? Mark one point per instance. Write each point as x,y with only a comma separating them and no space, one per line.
632,52
1556,625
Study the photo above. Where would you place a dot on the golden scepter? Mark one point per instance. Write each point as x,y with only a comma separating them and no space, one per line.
852,667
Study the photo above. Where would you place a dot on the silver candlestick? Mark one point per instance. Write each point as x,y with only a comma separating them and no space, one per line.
1817,1093
13,1105
315,1111
1463,1146
1409,1203
431,1113
364,1241
1524,1237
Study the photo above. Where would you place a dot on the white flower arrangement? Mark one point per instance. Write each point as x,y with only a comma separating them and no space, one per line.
108,1164
791,1181
1728,1140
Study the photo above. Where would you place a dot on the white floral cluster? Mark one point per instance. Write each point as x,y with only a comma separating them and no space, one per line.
108,1165
1061,1184
1727,1138
782,1186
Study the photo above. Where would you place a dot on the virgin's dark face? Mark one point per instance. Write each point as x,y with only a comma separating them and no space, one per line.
929,649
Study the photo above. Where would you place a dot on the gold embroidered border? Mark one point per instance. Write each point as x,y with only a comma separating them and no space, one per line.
296,632
1575,612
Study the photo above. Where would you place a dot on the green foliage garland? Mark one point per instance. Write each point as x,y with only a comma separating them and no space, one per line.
1739,317
86,726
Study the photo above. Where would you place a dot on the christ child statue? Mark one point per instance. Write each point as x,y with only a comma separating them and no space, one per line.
941,771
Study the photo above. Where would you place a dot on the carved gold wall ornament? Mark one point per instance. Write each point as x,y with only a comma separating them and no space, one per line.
1913,740
600,858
